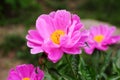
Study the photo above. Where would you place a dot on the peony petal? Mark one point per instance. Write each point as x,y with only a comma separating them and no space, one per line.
65,41
33,40
40,74
13,75
53,51
62,19
55,55
113,40
103,29
32,44
44,26
84,35
71,29
78,24
51,44
25,70
34,37
89,48
76,38
84,38
37,74
52,14
102,47
74,50
36,50
93,30
34,75
49,22
110,32
76,18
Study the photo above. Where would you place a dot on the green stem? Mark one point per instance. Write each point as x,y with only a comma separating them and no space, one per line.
69,63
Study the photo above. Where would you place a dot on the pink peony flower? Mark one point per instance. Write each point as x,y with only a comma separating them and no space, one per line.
100,38
57,33
26,72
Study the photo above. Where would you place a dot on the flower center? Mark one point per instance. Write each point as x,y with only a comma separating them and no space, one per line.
26,78
99,38
55,36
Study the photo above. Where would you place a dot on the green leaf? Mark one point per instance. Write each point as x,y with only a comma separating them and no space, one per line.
75,64
116,63
54,73
85,71
114,78
48,76
106,62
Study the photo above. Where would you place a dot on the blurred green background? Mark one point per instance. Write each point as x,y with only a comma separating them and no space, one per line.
25,12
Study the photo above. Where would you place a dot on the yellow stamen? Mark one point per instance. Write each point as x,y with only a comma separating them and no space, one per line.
55,36
99,38
26,78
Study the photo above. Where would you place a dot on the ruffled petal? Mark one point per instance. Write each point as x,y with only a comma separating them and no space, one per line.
25,70
13,75
32,44
69,42
102,47
40,74
34,75
53,51
44,26
37,74
62,20
89,48
49,22
36,50
113,40
83,39
78,24
103,29
94,30
76,18
71,28
111,30
55,55
65,41
49,43
74,50
52,14
34,37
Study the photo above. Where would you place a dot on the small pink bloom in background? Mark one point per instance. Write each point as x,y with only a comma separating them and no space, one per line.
57,33
100,38
26,72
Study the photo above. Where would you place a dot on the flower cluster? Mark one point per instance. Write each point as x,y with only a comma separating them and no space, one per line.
59,33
